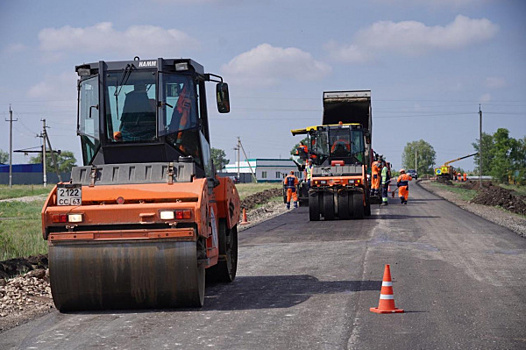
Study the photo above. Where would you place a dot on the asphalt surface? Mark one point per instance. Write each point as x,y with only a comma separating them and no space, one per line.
460,279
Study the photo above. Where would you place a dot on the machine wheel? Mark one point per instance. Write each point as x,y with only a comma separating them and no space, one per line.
328,205
343,205
367,206
130,275
357,204
226,268
314,206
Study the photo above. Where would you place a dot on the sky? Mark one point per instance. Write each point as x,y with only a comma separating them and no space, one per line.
429,66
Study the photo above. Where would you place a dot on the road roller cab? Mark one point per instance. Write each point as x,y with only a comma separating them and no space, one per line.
139,223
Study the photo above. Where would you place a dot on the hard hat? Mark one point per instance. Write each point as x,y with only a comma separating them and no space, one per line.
402,171
292,172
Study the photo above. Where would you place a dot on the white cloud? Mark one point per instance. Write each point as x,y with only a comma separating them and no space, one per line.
412,37
495,82
485,98
266,65
144,40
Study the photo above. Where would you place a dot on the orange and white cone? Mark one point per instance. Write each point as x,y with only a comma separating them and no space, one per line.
386,304
244,220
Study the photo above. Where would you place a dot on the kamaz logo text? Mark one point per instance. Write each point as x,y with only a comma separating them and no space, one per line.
144,64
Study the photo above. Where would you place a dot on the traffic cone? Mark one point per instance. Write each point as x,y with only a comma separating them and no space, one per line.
244,221
387,303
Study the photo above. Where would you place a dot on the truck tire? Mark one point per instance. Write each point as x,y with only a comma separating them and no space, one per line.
328,206
367,206
357,205
314,206
343,205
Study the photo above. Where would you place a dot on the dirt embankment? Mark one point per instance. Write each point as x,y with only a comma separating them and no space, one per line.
252,201
495,196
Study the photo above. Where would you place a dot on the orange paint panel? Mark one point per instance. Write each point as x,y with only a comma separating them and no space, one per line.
188,191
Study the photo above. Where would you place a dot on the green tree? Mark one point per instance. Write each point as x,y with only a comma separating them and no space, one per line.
218,158
293,150
425,157
4,157
65,160
487,153
503,157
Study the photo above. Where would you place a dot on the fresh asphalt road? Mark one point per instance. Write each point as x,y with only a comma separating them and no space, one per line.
460,279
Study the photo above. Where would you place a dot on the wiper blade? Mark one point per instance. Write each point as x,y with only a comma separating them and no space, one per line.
124,78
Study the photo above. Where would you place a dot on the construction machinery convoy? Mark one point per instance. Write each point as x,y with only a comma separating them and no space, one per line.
340,150
447,171
142,222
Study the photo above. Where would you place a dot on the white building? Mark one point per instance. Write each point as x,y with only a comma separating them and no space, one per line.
266,170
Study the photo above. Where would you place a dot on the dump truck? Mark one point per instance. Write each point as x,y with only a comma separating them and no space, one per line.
447,171
341,156
145,221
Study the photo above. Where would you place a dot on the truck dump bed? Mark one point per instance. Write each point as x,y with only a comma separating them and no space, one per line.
347,107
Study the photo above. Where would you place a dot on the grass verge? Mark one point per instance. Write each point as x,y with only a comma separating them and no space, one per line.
20,229
464,193
17,191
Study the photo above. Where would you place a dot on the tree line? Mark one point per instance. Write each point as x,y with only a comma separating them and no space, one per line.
503,157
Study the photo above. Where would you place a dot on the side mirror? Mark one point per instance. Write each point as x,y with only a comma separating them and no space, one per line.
223,98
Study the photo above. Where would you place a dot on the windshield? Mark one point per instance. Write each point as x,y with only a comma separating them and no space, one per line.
338,143
130,103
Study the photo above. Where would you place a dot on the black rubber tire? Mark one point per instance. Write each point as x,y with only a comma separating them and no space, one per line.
343,205
357,205
314,206
367,210
328,206
226,268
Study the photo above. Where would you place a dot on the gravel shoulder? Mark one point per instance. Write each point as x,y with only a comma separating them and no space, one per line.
499,216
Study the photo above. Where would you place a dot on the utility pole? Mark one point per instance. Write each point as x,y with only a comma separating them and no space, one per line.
45,140
44,136
480,147
416,161
11,145
240,145
238,148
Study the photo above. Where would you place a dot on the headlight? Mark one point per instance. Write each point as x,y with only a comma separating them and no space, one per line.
75,217
167,215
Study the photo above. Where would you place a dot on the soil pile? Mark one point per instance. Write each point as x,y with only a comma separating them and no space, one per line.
19,266
476,185
498,196
259,198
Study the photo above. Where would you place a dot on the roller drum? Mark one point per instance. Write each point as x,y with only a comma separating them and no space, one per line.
125,275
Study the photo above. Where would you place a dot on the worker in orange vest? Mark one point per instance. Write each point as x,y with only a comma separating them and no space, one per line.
465,177
375,175
302,151
290,184
403,186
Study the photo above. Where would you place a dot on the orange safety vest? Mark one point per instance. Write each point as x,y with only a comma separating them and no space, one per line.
341,142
